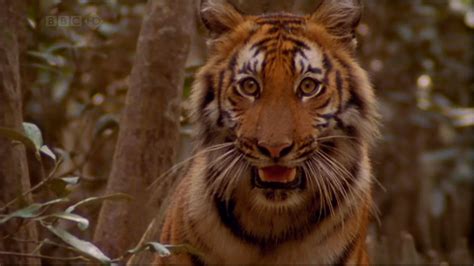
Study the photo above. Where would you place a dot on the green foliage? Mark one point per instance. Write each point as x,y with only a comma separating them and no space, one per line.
32,211
31,138
83,247
38,212
166,250
82,222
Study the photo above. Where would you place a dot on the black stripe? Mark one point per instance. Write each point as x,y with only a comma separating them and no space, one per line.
319,215
355,170
306,224
232,62
314,70
307,144
339,88
247,68
327,62
325,104
354,98
302,66
328,147
224,116
292,29
299,51
254,66
196,261
272,30
264,66
225,209
298,43
271,50
250,35
288,51
328,67
209,97
262,42
349,130
327,116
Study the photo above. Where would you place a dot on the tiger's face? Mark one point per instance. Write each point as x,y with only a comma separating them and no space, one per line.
286,95
279,102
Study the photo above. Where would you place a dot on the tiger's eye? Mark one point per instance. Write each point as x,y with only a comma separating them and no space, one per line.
309,87
249,86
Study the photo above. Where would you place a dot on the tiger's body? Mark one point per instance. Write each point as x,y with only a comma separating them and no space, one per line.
285,118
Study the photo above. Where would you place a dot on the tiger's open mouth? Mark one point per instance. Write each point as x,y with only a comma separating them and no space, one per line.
277,177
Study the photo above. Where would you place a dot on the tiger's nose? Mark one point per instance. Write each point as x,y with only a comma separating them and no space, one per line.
273,150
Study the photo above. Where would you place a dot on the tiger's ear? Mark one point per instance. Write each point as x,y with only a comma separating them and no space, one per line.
340,18
219,16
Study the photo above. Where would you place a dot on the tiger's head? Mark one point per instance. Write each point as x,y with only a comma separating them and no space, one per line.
282,107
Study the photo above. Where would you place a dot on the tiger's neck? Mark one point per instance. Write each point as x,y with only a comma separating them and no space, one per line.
243,223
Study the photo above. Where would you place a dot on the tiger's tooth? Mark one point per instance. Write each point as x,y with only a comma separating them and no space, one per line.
261,173
292,175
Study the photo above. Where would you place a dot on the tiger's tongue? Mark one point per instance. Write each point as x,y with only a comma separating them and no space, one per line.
277,174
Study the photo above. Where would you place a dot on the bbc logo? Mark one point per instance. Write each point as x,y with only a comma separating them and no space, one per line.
91,20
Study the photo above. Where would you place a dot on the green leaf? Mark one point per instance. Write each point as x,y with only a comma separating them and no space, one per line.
82,222
31,211
184,248
153,246
34,134
117,196
18,136
86,248
166,250
51,59
71,180
161,249
44,149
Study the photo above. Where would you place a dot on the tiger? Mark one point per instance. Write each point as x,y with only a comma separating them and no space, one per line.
285,118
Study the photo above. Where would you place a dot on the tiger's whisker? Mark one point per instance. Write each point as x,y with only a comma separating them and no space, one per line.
184,162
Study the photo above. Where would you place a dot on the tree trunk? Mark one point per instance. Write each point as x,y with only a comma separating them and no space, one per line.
14,179
149,129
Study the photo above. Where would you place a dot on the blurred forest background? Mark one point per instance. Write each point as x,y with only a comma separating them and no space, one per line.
74,81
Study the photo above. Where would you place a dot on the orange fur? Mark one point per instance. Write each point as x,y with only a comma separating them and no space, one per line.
322,132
